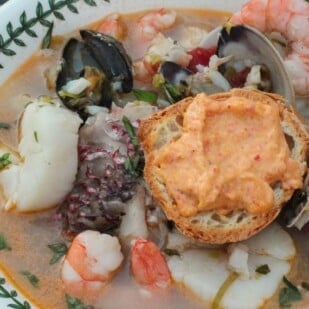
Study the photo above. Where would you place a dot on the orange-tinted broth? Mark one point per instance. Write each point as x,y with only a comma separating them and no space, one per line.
29,235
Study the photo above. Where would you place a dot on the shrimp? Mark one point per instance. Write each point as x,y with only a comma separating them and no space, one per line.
113,26
161,49
154,22
91,262
148,265
291,20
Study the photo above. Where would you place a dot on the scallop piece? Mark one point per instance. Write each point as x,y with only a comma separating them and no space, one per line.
204,271
48,150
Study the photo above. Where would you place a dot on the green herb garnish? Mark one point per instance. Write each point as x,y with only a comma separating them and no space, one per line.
4,125
172,93
133,164
131,131
35,134
75,303
146,96
171,252
33,279
59,250
305,285
4,244
223,288
288,294
263,269
4,160
48,36
4,293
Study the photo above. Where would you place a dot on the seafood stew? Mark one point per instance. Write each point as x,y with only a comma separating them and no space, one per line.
79,224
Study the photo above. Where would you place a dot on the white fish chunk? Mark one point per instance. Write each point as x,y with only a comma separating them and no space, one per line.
49,159
273,241
203,271
253,292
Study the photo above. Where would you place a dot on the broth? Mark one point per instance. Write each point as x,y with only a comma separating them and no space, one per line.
29,234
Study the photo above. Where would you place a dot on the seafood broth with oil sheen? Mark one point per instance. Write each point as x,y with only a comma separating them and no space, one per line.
35,238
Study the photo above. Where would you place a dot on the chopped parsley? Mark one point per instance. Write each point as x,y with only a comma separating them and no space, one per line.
4,244
59,250
305,285
131,131
35,134
172,93
171,252
4,125
146,96
263,269
134,163
288,294
4,160
75,303
33,279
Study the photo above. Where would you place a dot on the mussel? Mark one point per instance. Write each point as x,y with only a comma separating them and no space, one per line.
242,49
248,44
174,85
93,71
295,208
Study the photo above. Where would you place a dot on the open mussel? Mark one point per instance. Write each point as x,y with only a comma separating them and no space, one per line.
93,71
244,58
174,84
248,48
295,209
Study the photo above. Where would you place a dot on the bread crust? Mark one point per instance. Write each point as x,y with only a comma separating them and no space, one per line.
210,226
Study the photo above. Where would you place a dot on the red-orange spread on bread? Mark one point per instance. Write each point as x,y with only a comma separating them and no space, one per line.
229,155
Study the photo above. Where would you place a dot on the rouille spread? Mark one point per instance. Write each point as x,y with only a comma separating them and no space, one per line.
228,157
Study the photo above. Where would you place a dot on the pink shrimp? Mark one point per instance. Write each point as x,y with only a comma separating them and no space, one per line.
148,265
291,20
91,262
154,22
113,25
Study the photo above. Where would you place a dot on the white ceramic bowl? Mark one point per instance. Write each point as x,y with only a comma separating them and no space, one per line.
19,19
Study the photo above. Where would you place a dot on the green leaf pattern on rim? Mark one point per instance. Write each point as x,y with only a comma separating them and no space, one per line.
12,295
41,17
7,49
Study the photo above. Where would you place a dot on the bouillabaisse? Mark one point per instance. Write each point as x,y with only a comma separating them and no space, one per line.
108,193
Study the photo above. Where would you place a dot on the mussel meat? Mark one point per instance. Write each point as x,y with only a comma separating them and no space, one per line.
93,71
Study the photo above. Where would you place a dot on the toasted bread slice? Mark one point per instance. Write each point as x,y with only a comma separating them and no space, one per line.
164,127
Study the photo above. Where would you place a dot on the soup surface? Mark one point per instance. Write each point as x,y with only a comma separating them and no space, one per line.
30,234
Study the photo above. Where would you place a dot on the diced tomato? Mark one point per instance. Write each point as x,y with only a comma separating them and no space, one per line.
201,56
238,79
148,265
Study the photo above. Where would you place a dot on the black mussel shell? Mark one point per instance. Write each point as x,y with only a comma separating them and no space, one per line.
106,58
246,43
174,73
294,208
175,84
112,58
